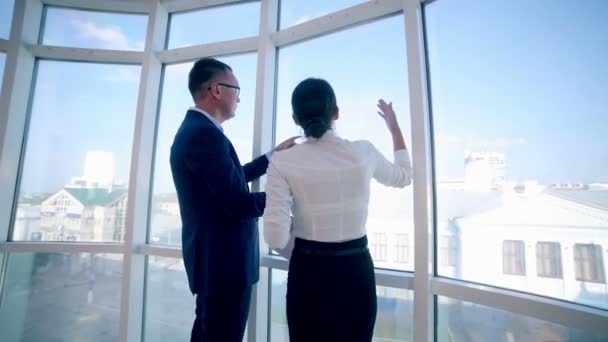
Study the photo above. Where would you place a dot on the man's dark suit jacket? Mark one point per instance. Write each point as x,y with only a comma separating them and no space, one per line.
219,214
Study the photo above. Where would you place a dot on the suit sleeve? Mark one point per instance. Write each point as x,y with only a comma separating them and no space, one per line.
209,158
256,168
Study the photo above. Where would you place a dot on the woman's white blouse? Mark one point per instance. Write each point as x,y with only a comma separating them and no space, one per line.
324,183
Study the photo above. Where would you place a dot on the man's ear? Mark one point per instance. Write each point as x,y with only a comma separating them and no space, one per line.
214,90
336,115
295,119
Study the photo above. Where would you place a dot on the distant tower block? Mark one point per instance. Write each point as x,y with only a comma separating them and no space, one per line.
99,167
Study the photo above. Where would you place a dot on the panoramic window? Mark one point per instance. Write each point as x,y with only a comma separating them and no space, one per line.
61,297
94,30
223,22
519,114
80,135
463,321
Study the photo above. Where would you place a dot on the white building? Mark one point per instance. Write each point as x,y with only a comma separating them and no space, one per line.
484,171
27,218
90,208
75,214
553,243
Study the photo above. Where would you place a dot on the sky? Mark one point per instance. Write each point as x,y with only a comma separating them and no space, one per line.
6,18
525,78
504,78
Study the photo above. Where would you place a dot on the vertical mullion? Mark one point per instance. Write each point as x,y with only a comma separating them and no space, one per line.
259,314
14,105
424,302
140,178
14,102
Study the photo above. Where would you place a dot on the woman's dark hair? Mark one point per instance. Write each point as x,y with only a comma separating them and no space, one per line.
314,103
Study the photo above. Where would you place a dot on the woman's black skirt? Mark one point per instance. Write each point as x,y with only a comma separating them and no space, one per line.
331,292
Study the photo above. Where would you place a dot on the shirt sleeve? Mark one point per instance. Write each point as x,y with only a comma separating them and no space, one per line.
397,174
277,220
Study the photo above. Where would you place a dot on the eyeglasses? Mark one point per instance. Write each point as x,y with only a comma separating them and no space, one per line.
236,88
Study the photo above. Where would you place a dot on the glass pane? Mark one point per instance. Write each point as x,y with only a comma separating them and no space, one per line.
359,83
6,17
165,218
519,115
464,321
95,30
220,23
394,320
169,304
279,331
395,317
75,174
294,12
2,62
61,297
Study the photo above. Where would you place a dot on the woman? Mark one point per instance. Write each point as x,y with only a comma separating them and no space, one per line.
325,183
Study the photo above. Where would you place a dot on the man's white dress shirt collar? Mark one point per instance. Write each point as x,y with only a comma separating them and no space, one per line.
214,120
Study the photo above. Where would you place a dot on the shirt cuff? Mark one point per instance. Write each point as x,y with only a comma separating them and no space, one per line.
402,157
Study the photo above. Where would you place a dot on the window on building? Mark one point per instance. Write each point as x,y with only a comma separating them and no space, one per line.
548,259
589,265
447,250
379,246
402,248
513,257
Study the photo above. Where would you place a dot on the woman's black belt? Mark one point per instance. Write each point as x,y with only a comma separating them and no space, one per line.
309,247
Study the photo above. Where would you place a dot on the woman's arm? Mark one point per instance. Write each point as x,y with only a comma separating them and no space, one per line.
388,114
398,173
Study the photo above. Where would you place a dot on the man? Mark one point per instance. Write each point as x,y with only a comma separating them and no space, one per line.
219,214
